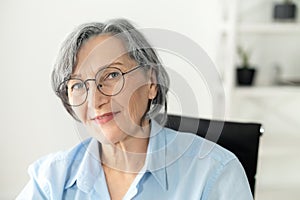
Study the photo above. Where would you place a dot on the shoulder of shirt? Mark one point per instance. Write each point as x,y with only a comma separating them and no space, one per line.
199,147
58,161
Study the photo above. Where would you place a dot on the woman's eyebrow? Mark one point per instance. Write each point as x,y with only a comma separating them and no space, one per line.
115,63
109,65
75,76
99,68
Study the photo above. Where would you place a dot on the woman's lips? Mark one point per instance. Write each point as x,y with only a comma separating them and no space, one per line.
102,119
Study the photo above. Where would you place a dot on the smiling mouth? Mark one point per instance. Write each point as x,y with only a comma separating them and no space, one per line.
103,119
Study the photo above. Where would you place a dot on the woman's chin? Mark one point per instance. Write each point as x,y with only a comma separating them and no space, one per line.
112,131
108,134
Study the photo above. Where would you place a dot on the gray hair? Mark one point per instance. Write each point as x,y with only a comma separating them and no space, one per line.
138,48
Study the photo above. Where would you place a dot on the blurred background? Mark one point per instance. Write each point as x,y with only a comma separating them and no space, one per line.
34,123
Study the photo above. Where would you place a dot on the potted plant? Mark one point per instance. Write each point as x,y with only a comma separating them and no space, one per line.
287,10
245,73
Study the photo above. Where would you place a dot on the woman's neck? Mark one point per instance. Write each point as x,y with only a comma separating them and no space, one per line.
128,155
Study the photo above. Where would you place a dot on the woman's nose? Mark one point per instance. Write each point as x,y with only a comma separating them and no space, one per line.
96,98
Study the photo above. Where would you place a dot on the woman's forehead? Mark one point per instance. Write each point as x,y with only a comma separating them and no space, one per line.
100,51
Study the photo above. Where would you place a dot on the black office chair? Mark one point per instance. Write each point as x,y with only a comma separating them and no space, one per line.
240,138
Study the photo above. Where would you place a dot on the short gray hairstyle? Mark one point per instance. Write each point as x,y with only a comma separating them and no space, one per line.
138,48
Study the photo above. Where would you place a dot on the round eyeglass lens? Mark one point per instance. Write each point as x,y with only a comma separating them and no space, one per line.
76,91
110,81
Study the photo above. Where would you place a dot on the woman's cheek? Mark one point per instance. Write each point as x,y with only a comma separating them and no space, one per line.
138,105
81,113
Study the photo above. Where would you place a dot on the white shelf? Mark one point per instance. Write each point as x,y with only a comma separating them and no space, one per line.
270,28
267,91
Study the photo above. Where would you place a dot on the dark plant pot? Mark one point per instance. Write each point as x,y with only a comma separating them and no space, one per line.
245,76
286,11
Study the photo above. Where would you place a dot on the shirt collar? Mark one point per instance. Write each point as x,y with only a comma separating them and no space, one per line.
89,167
156,154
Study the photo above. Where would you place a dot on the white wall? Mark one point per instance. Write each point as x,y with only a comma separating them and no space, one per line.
33,122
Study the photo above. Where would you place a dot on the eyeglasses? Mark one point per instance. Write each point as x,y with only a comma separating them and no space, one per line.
109,81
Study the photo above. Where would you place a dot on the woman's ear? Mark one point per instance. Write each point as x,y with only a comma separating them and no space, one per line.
152,85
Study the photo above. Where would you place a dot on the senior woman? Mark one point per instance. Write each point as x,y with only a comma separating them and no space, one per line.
111,80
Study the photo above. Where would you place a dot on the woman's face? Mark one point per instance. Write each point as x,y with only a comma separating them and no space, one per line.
113,119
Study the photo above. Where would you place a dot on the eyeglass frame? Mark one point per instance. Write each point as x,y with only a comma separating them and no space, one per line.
94,79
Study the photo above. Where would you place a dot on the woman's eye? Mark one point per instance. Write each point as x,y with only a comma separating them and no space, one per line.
77,86
113,75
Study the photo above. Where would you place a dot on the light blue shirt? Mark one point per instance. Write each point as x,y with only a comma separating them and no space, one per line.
178,166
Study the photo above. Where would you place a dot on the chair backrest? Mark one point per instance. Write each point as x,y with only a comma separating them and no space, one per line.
240,138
